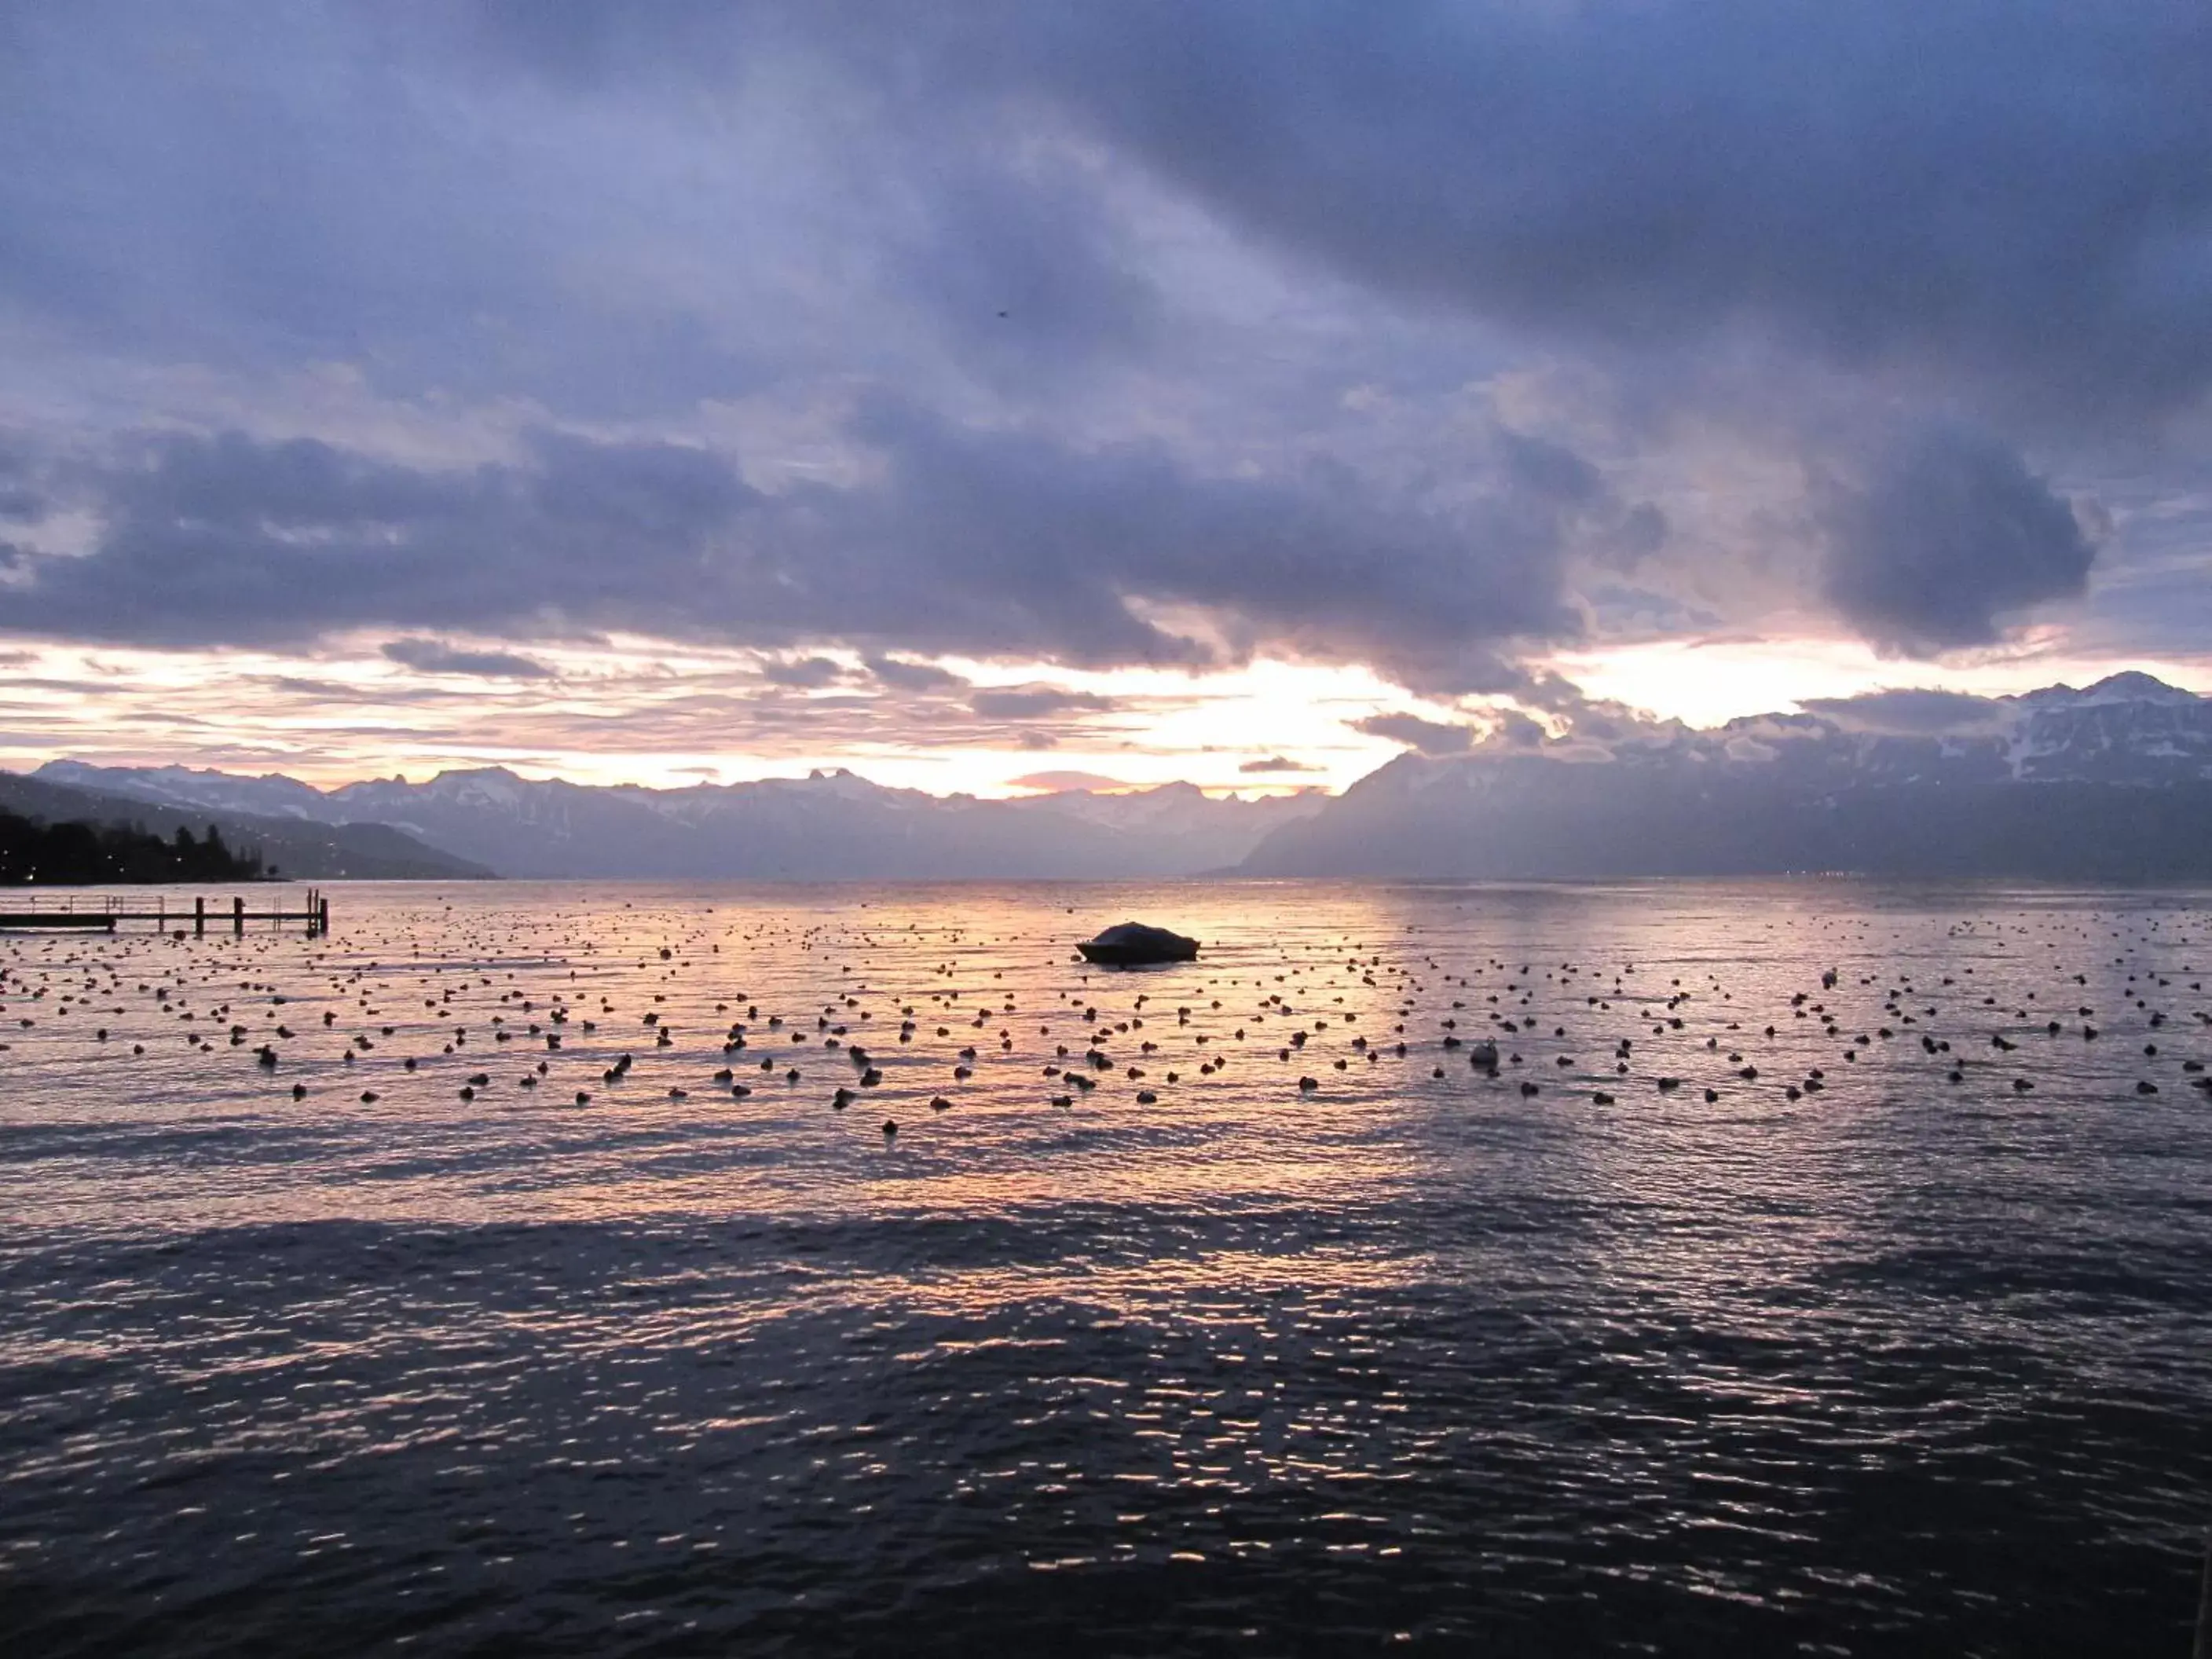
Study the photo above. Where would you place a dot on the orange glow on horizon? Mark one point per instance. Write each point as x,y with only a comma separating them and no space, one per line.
639,711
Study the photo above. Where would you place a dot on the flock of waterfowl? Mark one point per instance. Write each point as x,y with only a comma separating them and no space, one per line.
568,1010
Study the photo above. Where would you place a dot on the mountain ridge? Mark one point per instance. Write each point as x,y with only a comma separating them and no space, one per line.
1901,782
294,849
831,824
2113,783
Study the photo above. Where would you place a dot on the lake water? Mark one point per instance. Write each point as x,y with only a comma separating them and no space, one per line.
1397,1361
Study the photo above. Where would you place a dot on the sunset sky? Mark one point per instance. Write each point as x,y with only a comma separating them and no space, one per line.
1018,395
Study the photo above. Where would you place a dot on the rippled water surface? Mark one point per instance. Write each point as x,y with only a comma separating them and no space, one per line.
607,1359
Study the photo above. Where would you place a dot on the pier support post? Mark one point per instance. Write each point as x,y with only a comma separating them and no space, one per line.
237,916
199,913
322,916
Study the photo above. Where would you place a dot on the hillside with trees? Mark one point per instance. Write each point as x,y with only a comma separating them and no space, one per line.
71,854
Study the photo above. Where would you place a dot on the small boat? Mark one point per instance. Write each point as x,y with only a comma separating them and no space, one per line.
1133,943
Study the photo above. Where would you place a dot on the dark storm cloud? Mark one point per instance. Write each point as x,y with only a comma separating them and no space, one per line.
1515,730
1022,278
1428,737
805,673
902,676
1999,203
1035,221
984,543
436,657
1949,537
20,502
1910,711
1059,542
216,182
228,540
1025,702
2012,188
2015,191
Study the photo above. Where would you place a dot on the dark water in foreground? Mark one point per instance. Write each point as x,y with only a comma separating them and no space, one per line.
1904,1365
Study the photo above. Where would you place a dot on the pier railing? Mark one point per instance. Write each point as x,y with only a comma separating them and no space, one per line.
20,910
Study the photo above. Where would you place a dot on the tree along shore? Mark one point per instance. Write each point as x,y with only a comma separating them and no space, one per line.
87,854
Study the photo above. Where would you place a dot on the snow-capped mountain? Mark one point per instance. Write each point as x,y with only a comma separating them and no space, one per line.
2113,783
269,796
829,825
2131,728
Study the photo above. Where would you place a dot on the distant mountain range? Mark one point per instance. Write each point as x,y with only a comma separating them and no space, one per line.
288,847
824,827
2110,783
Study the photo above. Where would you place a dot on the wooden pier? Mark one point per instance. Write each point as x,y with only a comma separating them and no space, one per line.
76,911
